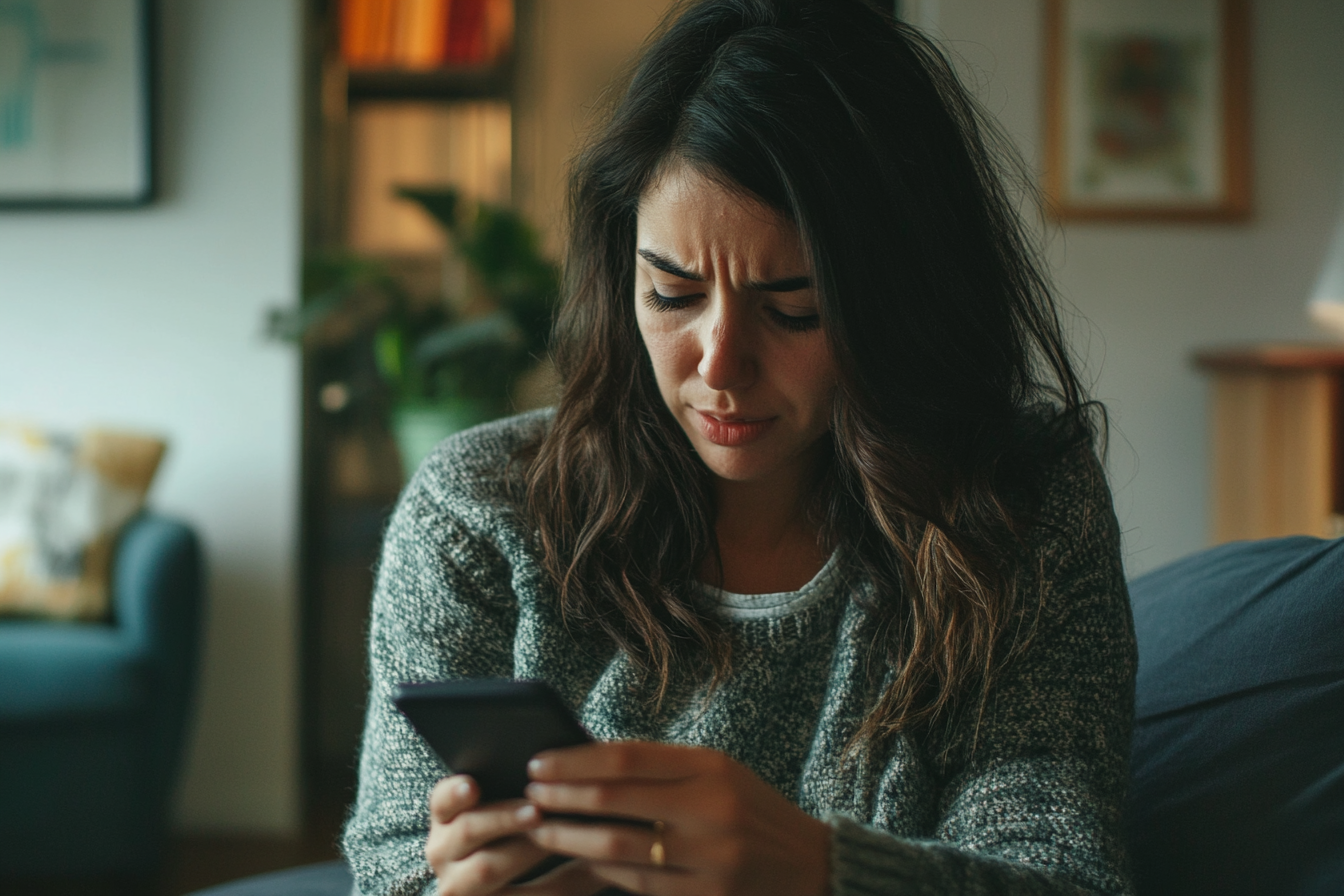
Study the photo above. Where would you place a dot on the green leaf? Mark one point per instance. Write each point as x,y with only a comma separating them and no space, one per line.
389,351
447,342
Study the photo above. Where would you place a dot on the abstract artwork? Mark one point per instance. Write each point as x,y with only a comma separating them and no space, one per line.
75,103
1146,112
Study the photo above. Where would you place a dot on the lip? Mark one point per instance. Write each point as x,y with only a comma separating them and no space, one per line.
732,431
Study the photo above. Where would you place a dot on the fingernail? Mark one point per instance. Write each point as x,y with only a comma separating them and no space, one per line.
534,791
528,814
462,789
536,767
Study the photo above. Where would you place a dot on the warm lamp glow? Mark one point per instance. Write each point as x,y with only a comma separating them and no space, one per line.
1329,315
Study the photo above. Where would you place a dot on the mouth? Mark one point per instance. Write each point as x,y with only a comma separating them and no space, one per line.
731,431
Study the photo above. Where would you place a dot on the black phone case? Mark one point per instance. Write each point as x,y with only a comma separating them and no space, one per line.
490,728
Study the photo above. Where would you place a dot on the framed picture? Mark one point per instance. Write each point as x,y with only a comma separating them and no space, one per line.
1147,109
76,103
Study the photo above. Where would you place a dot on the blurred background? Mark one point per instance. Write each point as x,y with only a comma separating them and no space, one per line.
353,235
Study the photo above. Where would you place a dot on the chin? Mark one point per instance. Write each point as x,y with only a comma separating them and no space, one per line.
736,464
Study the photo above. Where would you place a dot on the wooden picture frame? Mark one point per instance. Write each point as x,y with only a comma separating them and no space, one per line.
76,104
1147,112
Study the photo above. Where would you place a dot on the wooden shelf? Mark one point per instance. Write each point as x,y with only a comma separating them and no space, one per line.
492,82
1277,439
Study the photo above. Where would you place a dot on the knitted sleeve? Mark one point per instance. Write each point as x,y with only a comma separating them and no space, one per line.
1033,787
442,608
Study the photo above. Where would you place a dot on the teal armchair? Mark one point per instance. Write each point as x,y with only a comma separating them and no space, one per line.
93,717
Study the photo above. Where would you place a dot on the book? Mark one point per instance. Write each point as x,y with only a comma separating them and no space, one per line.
420,35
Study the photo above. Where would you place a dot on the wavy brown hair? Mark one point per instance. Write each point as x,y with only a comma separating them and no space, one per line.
940,319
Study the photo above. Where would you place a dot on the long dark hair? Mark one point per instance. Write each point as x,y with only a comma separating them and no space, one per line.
931,294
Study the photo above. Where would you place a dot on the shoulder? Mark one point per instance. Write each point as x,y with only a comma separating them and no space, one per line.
1057,475
1080,644
477,472
464,506
1072,557
1076,501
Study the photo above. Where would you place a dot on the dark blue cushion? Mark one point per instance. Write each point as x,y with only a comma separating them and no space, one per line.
326,879
1238,764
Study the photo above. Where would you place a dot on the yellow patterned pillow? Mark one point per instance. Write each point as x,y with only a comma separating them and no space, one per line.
63,500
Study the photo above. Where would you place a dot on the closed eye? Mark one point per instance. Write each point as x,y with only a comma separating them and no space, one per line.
659,302
796,323
793,323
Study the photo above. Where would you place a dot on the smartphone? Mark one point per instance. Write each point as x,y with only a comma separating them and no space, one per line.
490,728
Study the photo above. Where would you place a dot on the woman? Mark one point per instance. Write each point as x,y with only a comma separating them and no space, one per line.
816,543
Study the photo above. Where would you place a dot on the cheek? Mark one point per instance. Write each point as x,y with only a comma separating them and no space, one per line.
667,347
812,378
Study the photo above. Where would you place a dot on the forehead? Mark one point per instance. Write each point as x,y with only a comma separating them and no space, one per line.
690,214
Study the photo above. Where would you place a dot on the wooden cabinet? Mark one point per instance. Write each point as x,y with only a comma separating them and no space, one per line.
1276,441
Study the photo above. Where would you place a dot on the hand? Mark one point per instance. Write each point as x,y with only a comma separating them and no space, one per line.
476,851
724,830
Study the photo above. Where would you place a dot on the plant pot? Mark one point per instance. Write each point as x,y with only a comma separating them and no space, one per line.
417,427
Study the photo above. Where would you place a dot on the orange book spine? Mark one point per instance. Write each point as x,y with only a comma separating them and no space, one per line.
383,17
403,32
354,32
424,26
498,38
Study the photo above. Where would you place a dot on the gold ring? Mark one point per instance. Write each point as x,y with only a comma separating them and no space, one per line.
658,855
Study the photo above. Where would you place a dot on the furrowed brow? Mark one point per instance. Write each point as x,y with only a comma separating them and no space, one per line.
668,266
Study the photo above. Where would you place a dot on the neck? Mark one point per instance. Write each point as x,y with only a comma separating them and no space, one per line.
766,541
759,515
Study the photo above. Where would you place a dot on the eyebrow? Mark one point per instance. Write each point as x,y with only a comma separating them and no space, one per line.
668,266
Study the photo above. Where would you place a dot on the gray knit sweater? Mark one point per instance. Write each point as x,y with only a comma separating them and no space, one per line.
1033,809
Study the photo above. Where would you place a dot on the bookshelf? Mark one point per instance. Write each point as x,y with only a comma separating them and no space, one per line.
441,85
400,104
427,50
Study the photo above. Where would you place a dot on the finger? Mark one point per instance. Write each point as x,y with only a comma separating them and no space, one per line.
604,843
490,869
475,828
635,800
622,759
451,796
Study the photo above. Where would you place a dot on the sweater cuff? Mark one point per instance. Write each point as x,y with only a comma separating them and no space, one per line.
867,862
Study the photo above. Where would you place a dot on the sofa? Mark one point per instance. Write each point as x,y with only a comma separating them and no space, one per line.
93,718
1237,773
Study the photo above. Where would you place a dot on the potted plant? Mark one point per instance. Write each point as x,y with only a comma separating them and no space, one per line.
432,368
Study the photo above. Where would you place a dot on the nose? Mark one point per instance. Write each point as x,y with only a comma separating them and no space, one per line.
727,356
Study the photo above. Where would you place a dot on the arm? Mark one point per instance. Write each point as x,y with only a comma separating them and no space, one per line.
442,609
1032,791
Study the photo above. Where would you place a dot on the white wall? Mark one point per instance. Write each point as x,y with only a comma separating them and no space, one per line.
1154,293
151,319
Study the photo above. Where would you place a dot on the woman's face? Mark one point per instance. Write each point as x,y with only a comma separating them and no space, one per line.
725,302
